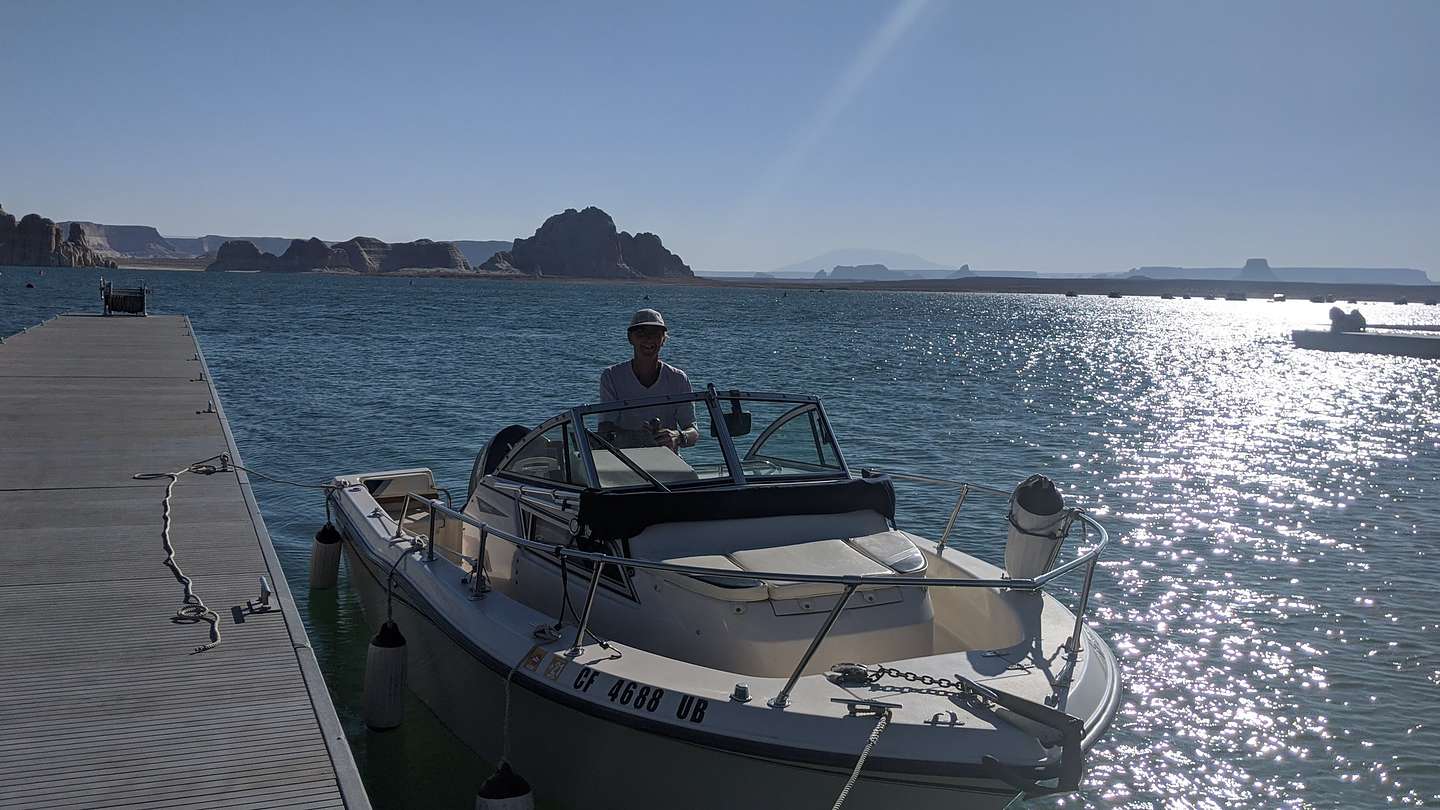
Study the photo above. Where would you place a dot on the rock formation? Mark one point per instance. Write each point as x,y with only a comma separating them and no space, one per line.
239,254
1257,270
362,254
127,241
312,254
865,272
35,241
648,257
586,244
422,254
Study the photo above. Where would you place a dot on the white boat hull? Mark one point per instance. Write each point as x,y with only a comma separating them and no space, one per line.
577,760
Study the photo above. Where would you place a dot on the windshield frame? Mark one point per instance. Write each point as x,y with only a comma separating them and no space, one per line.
713,400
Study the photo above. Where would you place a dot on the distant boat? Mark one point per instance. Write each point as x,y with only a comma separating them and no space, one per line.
1114,295
1277,298
1406,345
1234,296
1071,294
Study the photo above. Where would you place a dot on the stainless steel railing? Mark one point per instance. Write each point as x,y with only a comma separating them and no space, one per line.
1088,560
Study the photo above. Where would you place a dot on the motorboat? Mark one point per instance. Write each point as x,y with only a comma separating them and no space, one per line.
739,623
1400,340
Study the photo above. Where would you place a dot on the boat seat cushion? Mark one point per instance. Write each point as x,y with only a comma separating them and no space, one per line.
828,557
729,590
892,549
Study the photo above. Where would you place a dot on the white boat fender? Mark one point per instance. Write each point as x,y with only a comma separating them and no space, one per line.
505,790
1038,525
385,678
325,557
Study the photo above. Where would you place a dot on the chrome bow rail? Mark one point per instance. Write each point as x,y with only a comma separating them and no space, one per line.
1087,560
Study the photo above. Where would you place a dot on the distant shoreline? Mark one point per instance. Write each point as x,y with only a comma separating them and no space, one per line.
1125,287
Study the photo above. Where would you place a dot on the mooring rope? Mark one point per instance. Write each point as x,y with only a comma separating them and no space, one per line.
505,724
194,608
860,763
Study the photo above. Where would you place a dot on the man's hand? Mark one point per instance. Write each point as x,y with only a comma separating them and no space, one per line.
665,437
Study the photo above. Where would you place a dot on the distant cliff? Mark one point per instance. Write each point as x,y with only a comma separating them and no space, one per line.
361,254
1260,270
586,244
210,245
35,241
136,241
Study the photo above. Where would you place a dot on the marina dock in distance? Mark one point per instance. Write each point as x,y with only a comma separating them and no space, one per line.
106,696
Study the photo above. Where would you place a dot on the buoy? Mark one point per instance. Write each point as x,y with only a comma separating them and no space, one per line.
504,790
325,557
385,678
1038,524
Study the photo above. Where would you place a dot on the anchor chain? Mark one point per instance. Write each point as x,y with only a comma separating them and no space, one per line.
859,674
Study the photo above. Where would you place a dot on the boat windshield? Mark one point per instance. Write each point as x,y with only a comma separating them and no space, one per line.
774,436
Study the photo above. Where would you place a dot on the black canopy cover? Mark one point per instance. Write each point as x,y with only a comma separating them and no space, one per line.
618,516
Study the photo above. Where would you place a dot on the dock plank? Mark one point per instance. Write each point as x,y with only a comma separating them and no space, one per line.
104,700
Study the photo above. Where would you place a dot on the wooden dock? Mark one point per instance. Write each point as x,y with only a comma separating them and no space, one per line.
104,701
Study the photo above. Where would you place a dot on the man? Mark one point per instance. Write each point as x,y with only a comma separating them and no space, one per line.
646,375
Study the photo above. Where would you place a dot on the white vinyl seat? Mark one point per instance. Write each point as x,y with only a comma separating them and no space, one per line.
729,590
892,549
826,557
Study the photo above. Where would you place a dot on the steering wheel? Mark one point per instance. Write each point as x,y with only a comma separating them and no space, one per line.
537,466
767,467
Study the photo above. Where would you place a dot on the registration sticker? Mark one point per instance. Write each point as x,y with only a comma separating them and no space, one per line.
555,668
533,658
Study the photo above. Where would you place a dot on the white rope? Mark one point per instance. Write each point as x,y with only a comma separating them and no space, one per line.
860,763
505,726
194,608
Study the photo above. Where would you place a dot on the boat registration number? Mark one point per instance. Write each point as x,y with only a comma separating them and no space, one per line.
643,697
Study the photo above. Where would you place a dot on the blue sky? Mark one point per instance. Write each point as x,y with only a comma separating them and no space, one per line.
1050,136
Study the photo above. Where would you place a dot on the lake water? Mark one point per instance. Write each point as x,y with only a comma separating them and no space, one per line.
1271,594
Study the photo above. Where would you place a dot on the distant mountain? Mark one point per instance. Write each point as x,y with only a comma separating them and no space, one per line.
361,254
879,272
586,244
1260,270
209,244
477,252
145,242
861,256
